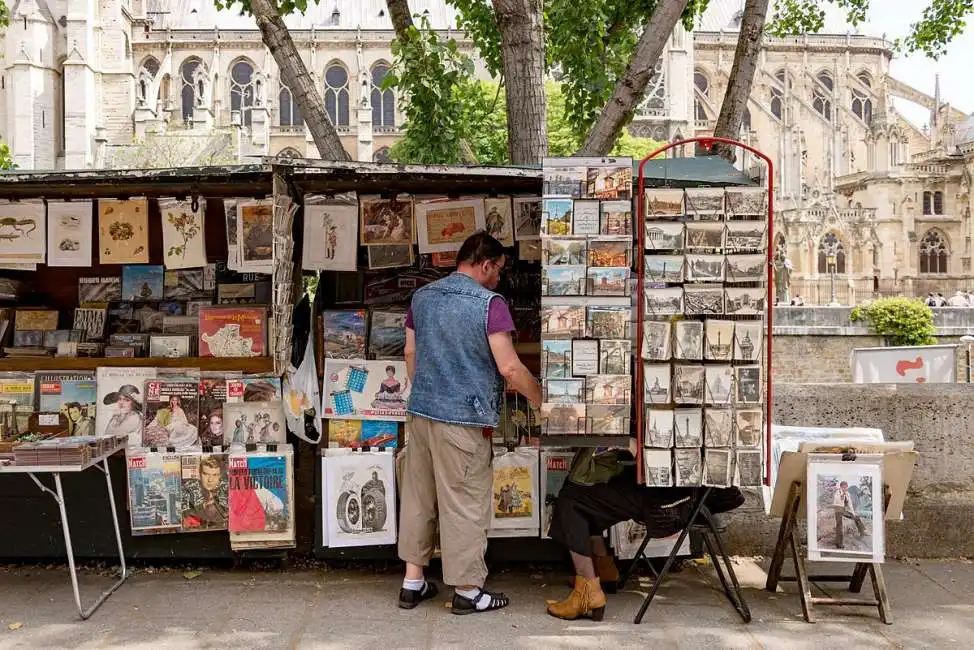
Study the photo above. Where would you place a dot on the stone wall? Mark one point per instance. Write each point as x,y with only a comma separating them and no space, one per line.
938,418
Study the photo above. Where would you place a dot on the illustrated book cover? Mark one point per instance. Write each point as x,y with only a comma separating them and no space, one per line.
232,331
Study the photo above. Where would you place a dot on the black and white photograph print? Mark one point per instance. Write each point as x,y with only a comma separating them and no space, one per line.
586,218
564,181
607,420
688,384
746,236
658,464
564,391
745,301
748,468
748,384
556,359
563,250
656,383
705,268
688,340
718,427
703,300
585,357
749,202
748,340
718,340
609,322
656,340
720,385
705,235
717,467
527,218
689,468
608,389
664,302
664,268
659,428
563,321
663,203
748,427
747,268
615,357
665,236
705,203
608,281
845,511
563,281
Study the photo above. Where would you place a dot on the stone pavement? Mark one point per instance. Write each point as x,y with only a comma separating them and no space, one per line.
933,607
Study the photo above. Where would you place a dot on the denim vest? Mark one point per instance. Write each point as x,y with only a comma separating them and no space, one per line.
456,378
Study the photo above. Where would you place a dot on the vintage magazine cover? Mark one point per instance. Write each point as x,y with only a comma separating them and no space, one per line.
123,231
213,397
261,500
120,402
444,225
17,392
72,393
554,471
183,243
171,415
233,331
154,492
344,333
255,236
365,390
23,234
387,338
359,508
514,494
69,230
249,423
205,486
256,388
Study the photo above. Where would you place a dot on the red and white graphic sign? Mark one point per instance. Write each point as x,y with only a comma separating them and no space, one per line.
926,364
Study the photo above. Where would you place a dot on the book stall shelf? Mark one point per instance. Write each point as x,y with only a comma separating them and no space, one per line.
246,365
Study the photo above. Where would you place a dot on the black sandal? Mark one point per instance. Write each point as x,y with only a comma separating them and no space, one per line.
463,605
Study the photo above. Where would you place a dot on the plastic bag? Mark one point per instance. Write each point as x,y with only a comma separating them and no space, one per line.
301,393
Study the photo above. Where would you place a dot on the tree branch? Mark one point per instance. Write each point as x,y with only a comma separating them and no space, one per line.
401,16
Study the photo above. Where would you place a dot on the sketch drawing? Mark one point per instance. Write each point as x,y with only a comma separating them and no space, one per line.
688,340
659,428
704,299
718,340
718,427
658,464
656,340
705,268
689,469
688,384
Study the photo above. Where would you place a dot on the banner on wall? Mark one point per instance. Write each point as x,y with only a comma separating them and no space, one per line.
927,364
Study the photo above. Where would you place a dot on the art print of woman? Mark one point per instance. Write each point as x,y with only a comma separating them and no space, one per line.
390,395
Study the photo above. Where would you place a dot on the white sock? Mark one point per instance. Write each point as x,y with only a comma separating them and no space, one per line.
471,594
414,585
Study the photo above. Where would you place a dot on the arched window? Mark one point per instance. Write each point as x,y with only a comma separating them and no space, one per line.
382,155
777,93
243,91
147,73
288,112
938,202
831,254
191,92
654,103
336,94
383,101
934,254
862,106
928,203
699,112
822,95
289,152
701,82
865,79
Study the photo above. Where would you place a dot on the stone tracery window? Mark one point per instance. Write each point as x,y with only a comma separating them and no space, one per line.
191,93
288,112
934,253
383,100
862,106
778,93
831,246
289,152
701,83
822,97
336,94
654,103
244,91
147,73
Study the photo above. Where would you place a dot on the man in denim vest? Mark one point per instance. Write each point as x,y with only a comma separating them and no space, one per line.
459,352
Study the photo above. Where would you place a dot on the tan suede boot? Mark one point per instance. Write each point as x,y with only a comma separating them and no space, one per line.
586,599
605,569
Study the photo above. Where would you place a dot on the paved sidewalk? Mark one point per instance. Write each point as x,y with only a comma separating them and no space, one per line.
933,607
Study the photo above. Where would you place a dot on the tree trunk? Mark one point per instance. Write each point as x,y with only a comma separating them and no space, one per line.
296,77
401,16
742,75
523,62
631,87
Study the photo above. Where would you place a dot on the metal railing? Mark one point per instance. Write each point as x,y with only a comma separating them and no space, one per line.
853,291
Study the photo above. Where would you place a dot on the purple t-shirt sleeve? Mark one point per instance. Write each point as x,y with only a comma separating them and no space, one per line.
498,318
409,319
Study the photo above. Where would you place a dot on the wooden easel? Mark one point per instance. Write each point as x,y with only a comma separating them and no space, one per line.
897,470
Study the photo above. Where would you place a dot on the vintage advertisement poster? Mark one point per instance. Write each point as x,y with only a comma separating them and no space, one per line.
23,234
171,415
514,493
123,231
261,500
69,228
232,331
499,220
183,245
205,499
386,221
360,504
444,225
330,235
120,402
255,236
254,423
356,389
154,482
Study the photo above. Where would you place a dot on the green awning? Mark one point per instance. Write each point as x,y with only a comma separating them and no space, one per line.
701,171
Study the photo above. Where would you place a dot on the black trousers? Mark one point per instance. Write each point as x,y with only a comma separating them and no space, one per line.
582,511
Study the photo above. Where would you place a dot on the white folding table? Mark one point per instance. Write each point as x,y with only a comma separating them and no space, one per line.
100,462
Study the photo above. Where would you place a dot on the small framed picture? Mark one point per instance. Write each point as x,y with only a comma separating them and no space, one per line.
718,427
689,467
688,427
656,383
659,428
688,340
615,357
748,384
656,340
658,464
584,357
169,346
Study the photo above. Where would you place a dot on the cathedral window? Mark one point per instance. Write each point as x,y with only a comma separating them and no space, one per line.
831,254
699,112
192,91
336,94
701,82
928,203
243,91
383,100
938,202
862,106
777,93
865,79
289,152
654,103
934,254
822,95
288,112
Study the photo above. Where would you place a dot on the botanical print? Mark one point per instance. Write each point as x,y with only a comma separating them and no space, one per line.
123,231
656,340
663,236
608,281
562,419
389,257
609,322
749,468
564,181
718,427
704,299
330,235
556,359
609,252
689,340
659,428
23,235
656,383
444,225
563,321
705,268
557,217
527,218
751,202
659,468
689,468
705,235
183,243
499,220
663,203
607,420
845,511
142,282
747,268
688,384
564,391
748,384
616,218
255,235
610,183
586,217
563,250
743,236
608,389
69,233
359,508
365,390
660,302
705,203
387,221
720,385
615,357
664,268
749,427
717,466
746,301
563,281
748,340
718,339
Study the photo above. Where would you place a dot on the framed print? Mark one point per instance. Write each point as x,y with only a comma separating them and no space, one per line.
616,218
607,420
703,299
527,217
746,236
443,226
689,467
658,466
718,340
745,301
586,217
499,220
609,322
562,419
123,231
656,340
664,302
563,281
747,203
390,256
688,384
557,217
183,243
556,359
663,203
748,340
748,384
656,383
659,428
584,357
664,268
563,321
665,236
720,385
705,203
747,268
688,340
608,281
845,509
387,221
748,428
717,467
564,391
69,231
615,357
718,427
608,389
330,234
748,468
606,251
705,235
563,250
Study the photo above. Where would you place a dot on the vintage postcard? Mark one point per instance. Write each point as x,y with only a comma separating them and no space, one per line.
356,389
720,385
845,511
610,183
330,235
616,218
586,217
142,282
387,221
688,427
564,181
705,268
562,419
688,340
664,302
609,322
689,468
749,427
656,383
123,231
499,220
584,356
665,236
664,268
170,345
705,203
750,202
659,428
746,301
255,235
718,427
608,281
557,221
564,391
659,467
184,284
183,245
748,468
717,467
657,340
748,384
23,233
607,420
69,231
527,217
563,281
746,236
608,389
663,203
704,300
556,359
718,340
563,250
747,268
705,235
689,384
615,357
559,321
390,256
605,251
444,225
748,340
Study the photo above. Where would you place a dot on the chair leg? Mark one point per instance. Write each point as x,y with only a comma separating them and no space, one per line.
719,556
624,578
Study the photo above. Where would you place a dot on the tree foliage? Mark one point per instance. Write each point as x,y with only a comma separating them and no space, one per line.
902,321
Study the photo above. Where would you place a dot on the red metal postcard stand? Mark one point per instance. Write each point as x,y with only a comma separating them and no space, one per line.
708,143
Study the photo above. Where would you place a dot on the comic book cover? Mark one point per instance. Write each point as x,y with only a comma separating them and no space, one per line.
154,483
172,412
344,333
73,394
213,397
249,423
204,498
554,471
232,331
261,500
